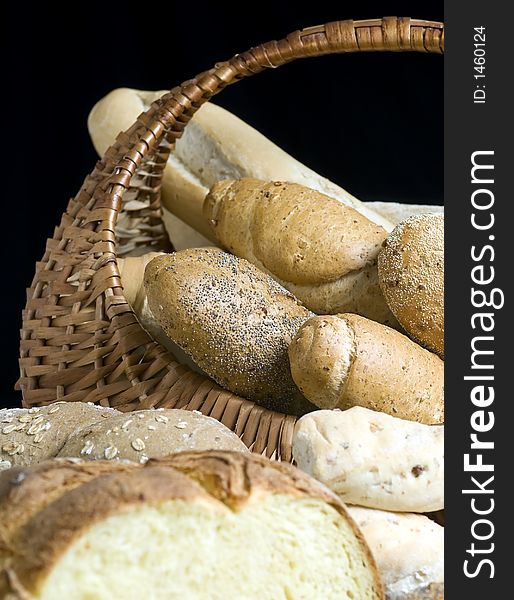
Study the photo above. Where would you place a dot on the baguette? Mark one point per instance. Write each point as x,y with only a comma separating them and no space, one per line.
372,459
235,322
322,251
215,145
409,550
249,527
340,361
411,275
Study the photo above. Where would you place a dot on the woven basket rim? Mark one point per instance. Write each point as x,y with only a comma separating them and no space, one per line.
80,340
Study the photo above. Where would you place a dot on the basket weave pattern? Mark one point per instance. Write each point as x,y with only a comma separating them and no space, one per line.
80,340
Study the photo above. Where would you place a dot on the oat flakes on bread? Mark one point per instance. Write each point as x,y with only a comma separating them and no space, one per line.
144,434
248,526
32,435
235,322
411,275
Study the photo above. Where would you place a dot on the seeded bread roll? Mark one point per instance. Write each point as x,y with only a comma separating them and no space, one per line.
145,434
322,251
409,550
235,322
372,459
32,435
346,360
411,274
217,524
132,270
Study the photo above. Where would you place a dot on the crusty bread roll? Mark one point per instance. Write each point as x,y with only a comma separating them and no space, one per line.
215,145
145,434
372,459
411,274
319,249
409,550
32,435
235,321
197,525
339,361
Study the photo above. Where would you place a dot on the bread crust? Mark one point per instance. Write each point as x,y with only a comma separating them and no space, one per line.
235,321
411,275
144,434
231,478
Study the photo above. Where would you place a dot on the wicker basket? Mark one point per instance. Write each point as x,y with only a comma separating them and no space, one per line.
80,340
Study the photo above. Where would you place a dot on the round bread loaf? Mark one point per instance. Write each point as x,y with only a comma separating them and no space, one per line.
340,361
235,322
200,525
145,434
411,275
32,435
409,550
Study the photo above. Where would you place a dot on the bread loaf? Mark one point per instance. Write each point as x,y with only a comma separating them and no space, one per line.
409,550
215,145
145,434
411,274
132,271
321,250
346,360
235,321
26,491
372,459
196,525
32,435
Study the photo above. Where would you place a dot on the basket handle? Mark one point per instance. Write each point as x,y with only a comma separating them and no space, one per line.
170,114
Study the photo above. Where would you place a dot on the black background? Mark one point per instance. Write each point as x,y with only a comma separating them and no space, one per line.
373,123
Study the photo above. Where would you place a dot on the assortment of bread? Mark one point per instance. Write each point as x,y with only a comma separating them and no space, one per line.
288,291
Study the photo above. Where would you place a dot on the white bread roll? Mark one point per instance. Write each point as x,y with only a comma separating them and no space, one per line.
207,526
395,212
372,459
409,550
